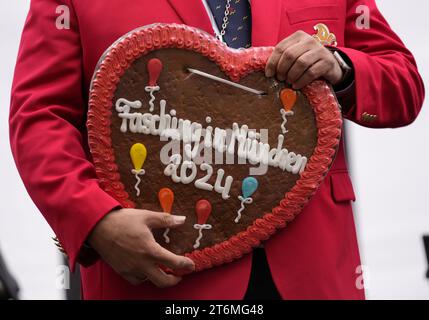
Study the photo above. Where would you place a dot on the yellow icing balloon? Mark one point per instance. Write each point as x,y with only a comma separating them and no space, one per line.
138,155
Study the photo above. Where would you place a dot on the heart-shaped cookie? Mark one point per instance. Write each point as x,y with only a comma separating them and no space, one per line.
180,123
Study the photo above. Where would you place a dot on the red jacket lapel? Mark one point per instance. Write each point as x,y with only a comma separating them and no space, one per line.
266,17
193,13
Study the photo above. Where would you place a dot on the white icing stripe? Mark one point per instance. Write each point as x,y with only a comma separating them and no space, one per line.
243,201
138,173
284,114
200,228
165,235
225,81
136,186
151,91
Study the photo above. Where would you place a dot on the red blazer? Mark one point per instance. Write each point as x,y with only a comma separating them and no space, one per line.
315,257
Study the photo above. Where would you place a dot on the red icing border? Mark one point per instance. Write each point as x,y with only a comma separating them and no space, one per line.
236,64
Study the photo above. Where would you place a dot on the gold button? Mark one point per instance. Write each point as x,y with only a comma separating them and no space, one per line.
366,117
59,246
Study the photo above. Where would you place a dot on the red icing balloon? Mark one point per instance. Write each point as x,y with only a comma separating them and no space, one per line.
203,209
166,199
154,68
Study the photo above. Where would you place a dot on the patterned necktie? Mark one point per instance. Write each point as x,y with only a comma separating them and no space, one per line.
239,25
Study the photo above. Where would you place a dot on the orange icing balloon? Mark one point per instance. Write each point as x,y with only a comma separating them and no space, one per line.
166,199
288,98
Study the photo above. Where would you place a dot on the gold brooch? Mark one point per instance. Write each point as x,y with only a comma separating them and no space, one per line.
59,246
366,117
324,36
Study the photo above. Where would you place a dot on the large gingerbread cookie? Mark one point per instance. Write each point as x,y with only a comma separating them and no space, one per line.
180,123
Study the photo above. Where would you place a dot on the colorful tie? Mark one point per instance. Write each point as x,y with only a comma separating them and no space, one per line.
239,25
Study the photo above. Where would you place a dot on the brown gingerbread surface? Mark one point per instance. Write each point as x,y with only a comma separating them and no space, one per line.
195,98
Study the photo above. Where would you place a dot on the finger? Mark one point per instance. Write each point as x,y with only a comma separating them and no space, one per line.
334,74
288,59
133,280
271,67
160,278
302,63
315,72
173,261
163,220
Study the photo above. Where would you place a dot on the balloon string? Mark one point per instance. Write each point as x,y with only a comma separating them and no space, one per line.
138,173
285,113
243,201
200,228
151,91
167,239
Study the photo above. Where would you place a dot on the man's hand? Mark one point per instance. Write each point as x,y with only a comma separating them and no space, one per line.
300,59
124,240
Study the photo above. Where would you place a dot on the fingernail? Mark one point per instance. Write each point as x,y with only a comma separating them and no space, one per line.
189,265
269,73
178,219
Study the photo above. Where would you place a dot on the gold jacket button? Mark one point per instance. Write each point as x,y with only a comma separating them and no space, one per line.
366,117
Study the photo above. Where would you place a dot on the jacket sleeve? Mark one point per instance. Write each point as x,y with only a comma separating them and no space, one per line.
388,90
47,128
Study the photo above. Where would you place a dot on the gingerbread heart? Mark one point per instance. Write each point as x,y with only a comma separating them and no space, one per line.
180,123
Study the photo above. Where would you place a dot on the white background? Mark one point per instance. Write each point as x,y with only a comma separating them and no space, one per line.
389,168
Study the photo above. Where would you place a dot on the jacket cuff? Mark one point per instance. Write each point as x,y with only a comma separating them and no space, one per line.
346,90
347,97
